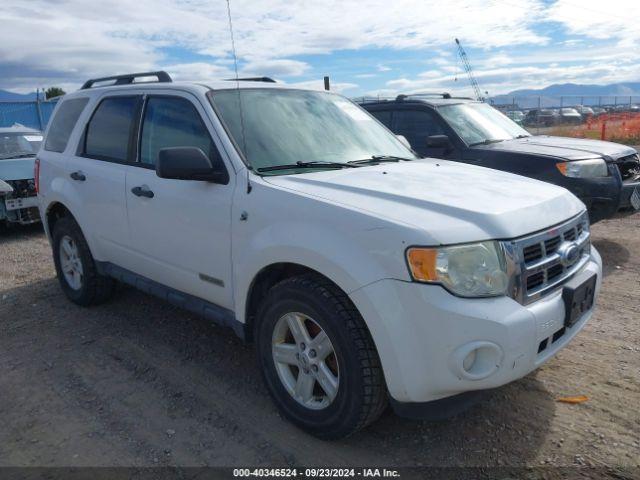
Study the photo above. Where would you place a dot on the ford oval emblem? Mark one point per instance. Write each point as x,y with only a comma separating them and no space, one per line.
569,253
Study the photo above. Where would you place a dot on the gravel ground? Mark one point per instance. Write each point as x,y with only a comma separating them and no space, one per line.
136,382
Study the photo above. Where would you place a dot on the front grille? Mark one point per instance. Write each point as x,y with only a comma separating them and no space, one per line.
542,346
569,235
629,167
551,245
540,261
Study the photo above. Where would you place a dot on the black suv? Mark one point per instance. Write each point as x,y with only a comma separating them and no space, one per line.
604,175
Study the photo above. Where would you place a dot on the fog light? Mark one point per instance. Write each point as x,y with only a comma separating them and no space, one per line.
476,360
469,360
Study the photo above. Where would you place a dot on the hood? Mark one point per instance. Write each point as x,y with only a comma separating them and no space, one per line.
16,168
449,202
562,147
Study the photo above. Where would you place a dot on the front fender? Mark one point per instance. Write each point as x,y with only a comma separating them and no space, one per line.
346,258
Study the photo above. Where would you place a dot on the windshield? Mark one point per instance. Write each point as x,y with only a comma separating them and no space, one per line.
19,144
283,127
479,123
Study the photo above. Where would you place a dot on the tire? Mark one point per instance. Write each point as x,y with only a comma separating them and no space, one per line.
92,288
361,391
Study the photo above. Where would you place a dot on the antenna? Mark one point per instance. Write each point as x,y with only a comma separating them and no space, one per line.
237,79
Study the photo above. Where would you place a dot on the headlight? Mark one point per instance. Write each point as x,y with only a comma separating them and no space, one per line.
472,270
5,188
584,168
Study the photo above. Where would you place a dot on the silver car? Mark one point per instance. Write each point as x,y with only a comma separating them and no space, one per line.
18,148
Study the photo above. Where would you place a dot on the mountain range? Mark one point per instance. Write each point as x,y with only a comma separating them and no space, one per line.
555,90
7,96
621,89
573,93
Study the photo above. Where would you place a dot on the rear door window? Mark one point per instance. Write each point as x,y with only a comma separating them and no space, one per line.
109,133
416,126
63,122
173,122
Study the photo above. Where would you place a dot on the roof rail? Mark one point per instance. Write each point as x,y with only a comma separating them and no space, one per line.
402,97
444,95
426,94
251,79
376,99
162,76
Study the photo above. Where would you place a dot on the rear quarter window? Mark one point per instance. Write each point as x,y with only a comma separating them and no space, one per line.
63,123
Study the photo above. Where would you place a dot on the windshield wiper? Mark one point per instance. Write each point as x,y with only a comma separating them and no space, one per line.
381,158
523,136
314,164
17,155
486,142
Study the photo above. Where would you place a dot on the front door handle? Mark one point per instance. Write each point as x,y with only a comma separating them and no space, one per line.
142,191
79,176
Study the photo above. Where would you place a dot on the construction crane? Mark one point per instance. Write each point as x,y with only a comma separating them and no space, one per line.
467,67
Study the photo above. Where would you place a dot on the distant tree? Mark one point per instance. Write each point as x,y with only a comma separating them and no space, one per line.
53,92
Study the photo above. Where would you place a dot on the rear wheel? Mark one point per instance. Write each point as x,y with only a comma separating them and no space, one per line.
318,359
75,266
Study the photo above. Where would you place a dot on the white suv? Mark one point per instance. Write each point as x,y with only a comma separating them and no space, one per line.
362,273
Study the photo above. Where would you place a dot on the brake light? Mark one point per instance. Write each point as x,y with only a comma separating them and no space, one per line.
36,175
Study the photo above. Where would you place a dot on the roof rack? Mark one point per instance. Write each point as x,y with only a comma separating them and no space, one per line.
403,97
251,79
445,95
162,76
375,99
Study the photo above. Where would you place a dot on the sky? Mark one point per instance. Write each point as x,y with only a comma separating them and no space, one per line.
367,47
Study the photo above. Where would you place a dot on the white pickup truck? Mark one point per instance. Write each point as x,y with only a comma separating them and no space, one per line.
363,274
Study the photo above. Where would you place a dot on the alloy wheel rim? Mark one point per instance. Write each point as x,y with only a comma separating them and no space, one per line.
305,360
70,263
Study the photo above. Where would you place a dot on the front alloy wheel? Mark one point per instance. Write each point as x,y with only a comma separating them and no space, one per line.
305,360
317,357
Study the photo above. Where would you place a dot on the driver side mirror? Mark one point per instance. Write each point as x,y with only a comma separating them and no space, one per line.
439,141
189,163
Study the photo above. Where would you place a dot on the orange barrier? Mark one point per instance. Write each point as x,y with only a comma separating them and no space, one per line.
616,127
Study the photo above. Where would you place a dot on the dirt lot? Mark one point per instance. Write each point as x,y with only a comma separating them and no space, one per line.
137,382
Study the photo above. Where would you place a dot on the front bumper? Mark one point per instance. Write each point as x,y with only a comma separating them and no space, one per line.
21,210
625,197
423,333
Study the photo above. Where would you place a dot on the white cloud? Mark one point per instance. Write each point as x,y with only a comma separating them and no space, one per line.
275,68
498,60
67,41
616,19
199,71
502,80
63,42
339,87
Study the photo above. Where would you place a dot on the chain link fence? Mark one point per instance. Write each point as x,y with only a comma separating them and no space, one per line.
614,118
32,114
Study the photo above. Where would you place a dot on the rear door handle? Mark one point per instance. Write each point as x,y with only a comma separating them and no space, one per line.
142,191
79,176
